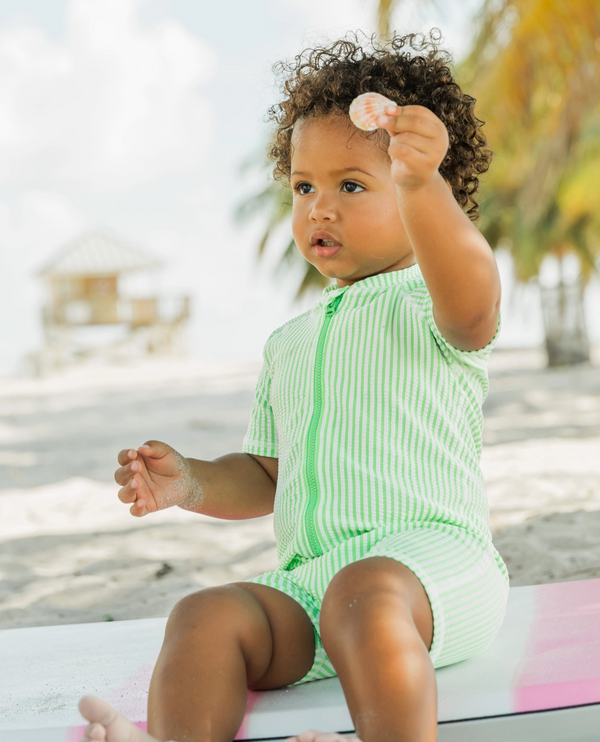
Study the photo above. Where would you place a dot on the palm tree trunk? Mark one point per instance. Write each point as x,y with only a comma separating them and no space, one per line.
564,321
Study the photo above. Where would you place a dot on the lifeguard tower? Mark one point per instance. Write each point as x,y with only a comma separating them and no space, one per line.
84,283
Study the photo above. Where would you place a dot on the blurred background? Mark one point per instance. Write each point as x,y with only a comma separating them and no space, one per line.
146,256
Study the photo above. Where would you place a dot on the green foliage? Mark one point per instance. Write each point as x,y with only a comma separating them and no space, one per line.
275,200
535,70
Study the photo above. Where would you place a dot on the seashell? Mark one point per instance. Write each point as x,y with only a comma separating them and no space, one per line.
365,109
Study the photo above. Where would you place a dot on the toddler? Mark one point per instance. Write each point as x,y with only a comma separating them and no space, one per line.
365,431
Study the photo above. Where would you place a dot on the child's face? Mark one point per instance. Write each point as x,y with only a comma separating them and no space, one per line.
358,209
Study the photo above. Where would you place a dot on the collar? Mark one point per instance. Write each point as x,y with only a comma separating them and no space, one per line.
379,280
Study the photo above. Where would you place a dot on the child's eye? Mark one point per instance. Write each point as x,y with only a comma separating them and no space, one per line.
354,185
299,186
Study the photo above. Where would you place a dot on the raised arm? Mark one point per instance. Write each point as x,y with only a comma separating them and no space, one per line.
457,263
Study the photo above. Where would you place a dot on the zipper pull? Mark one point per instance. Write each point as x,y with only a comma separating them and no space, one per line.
332,308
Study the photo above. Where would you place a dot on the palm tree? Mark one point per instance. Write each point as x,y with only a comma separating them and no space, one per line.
276,200
534,68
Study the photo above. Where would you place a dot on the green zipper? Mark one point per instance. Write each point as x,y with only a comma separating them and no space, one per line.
311,475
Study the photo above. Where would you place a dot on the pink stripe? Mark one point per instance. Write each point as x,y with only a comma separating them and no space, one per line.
131,697
575,693
561,663
253,698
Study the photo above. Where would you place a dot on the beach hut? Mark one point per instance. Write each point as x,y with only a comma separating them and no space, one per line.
84,289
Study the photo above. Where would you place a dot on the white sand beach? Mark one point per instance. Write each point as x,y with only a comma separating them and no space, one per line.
70,552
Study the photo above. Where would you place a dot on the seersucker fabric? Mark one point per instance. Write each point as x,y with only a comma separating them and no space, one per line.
376,422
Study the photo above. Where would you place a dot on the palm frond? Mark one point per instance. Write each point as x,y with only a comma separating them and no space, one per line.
533,68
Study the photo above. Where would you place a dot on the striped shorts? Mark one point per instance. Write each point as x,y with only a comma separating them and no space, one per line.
466,583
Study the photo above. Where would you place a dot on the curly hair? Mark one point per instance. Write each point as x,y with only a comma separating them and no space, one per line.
325,80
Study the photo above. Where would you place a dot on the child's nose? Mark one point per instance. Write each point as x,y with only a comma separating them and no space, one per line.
323,207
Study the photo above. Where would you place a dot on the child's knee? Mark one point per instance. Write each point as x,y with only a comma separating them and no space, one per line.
364,599
362,581
215,612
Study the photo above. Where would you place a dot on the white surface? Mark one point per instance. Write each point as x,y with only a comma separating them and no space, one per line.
579,724
47,669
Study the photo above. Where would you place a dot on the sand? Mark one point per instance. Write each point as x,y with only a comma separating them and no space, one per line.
70,551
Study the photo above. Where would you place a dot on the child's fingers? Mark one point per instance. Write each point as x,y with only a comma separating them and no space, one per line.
124,474
139,508
126,456
154,449
400,120
407,138
136,495
134,492
128,493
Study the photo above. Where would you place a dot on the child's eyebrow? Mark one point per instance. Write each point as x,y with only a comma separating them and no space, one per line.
338,172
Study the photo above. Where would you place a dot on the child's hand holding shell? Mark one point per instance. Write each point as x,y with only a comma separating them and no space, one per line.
418,138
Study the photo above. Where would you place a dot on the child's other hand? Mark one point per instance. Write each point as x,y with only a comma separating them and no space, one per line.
418,144
153,478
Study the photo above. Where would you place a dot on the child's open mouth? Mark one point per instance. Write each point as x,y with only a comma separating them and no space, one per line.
326,248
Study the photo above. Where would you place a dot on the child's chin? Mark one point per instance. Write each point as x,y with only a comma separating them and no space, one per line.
331,271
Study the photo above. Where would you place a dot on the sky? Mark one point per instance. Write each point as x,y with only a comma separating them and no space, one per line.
136,116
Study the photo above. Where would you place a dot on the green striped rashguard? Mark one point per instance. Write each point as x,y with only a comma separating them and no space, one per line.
376,421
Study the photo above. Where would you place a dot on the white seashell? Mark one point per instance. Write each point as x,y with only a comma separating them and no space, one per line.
366,108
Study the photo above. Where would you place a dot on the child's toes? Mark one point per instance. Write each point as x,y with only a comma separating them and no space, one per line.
107,724
94,733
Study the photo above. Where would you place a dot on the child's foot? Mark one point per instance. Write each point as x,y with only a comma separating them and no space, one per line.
107,724
313,735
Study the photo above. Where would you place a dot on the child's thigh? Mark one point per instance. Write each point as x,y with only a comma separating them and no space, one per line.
466,584
269,628
292,636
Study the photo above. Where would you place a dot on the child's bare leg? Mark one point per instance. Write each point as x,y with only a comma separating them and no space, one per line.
377,628
218,642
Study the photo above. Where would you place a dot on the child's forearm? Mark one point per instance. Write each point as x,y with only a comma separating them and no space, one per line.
457,263
232,487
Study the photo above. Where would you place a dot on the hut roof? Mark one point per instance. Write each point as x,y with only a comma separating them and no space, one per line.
97,253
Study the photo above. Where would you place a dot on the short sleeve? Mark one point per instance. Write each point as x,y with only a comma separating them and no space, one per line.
261,436
477,358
